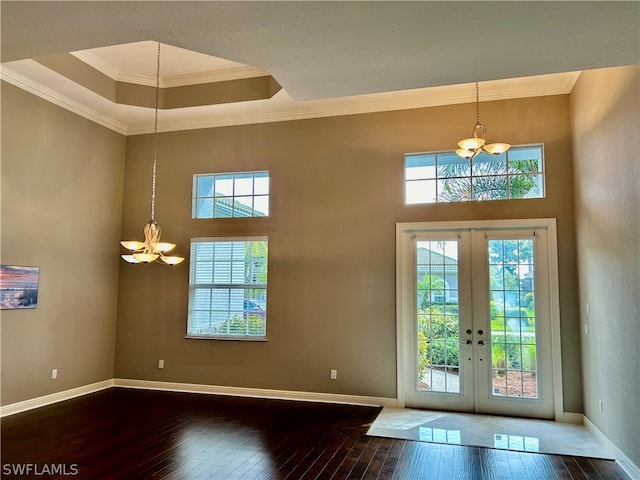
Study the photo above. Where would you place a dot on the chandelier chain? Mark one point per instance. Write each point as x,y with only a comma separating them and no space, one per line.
476,144
477,104
152,249
155,139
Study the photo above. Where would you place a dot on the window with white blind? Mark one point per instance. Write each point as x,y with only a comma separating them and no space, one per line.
228,288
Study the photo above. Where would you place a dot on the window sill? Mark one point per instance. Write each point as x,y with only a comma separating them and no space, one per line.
226,339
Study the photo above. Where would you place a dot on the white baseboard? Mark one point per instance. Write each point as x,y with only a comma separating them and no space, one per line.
627,465
570,417
257,392
37,402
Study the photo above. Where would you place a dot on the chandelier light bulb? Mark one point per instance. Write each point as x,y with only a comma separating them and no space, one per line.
172,260
162,247
145,257
461,152
497,148
132,245
471,143
130,259
476,144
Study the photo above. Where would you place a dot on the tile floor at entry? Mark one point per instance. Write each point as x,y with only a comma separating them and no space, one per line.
506,433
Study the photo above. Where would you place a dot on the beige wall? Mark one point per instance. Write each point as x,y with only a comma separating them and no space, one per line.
62,180
336,196
337,193
605,109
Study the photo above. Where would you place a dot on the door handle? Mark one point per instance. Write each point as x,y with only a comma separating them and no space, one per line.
468,342
481,342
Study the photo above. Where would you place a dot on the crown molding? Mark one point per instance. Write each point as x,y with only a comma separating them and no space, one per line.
288,109
20,81
281,107
96,62
187,79
183,80
170,81
543,85
222,75
572,78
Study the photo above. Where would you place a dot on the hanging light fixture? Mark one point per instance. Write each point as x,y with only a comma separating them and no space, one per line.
470,147
152,249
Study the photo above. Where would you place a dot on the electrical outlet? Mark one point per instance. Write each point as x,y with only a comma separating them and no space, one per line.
160,363
54,374
334,374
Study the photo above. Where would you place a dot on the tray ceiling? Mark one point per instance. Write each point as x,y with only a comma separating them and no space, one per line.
331,58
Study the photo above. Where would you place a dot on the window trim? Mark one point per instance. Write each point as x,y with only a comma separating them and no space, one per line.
195,197
235,338
541,173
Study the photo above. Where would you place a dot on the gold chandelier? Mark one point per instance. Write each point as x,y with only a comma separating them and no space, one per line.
470,147
151,249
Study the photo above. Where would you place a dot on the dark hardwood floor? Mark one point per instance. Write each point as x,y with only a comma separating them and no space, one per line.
130,434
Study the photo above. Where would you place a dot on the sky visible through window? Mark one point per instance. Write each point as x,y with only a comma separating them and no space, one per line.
224,195
438,177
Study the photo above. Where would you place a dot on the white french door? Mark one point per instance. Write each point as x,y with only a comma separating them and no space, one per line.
475,318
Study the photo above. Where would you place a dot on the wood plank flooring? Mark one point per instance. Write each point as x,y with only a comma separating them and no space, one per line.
136,434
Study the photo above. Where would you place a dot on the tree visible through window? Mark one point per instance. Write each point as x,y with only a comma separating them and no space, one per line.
228,288
444,177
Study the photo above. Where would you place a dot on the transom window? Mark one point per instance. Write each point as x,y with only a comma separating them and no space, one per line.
228,288
225,195
438,177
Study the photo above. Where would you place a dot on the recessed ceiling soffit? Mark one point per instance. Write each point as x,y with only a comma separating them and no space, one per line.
212,87
115,86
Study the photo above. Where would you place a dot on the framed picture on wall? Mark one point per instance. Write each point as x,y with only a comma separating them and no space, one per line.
18,287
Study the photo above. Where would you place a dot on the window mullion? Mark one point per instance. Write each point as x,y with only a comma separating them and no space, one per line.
437,177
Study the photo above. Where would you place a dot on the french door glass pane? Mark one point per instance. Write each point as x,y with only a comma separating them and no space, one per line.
438,343
513,324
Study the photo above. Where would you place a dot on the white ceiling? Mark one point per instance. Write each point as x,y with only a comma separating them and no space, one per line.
330,57
137,63
140,59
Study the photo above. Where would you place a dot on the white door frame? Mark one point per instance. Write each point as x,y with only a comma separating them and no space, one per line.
404,295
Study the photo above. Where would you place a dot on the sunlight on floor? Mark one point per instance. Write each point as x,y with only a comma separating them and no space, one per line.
505,433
